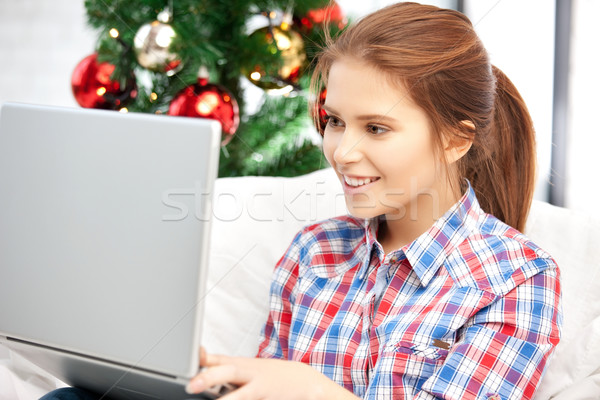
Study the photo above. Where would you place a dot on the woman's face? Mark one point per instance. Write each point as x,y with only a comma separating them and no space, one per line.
379,142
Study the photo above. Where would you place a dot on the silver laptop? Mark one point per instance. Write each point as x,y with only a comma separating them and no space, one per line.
104,229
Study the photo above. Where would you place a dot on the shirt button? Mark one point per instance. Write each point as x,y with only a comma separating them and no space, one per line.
393,259
493,396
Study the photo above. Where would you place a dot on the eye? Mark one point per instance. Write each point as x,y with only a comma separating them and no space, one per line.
332,121
376,130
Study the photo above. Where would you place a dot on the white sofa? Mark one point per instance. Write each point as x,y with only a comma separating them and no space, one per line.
255,218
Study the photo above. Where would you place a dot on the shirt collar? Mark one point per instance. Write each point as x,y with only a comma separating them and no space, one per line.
427,253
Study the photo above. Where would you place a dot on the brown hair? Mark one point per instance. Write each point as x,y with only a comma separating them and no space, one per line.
436,55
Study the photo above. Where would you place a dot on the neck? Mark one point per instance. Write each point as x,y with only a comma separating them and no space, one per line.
415,219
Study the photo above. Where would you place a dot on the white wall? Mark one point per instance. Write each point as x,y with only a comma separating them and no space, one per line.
355,8
41,41
519,35
582,181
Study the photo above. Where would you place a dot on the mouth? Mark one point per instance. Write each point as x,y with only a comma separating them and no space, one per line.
358,181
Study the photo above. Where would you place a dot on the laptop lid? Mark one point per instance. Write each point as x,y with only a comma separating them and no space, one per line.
104,229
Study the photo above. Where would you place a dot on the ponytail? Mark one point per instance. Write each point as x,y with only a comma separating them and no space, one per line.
501,167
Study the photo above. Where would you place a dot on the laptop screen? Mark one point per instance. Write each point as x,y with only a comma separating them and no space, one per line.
104,225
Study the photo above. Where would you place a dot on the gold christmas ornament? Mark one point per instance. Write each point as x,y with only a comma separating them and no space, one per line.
152,44
290,45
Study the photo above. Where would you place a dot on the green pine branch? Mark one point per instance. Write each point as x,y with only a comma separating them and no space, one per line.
213,34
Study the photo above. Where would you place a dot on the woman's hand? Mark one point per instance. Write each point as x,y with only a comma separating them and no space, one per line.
267,379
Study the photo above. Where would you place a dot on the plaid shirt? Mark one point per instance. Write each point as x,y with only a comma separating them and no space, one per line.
468,310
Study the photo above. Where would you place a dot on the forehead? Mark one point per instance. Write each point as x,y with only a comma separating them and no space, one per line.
356,84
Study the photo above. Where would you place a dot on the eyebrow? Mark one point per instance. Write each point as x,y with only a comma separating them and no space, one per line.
376,117
365,117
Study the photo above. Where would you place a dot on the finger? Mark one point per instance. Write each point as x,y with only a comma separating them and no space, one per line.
217,375
212,360
202,356
241,393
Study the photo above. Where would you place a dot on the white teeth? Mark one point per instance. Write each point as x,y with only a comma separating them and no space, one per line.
357,182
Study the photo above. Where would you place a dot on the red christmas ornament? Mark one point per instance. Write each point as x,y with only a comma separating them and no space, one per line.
93,88
207,100
318,16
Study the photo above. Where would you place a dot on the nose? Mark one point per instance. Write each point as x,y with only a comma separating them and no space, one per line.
348,149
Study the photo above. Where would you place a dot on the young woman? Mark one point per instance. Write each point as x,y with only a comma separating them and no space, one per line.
427,290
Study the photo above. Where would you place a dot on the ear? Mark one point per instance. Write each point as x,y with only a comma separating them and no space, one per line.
458,143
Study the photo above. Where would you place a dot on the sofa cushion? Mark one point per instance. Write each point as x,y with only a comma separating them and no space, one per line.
255,220
571,238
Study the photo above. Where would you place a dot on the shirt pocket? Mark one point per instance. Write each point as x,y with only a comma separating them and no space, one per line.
408,364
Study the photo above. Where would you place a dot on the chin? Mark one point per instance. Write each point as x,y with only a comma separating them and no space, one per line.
363,210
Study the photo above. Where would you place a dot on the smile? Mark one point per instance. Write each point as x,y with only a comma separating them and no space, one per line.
359,181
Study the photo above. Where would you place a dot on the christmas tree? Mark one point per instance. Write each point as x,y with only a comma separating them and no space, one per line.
196,57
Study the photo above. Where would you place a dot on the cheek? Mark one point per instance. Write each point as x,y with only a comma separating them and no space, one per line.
329,146
407,160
